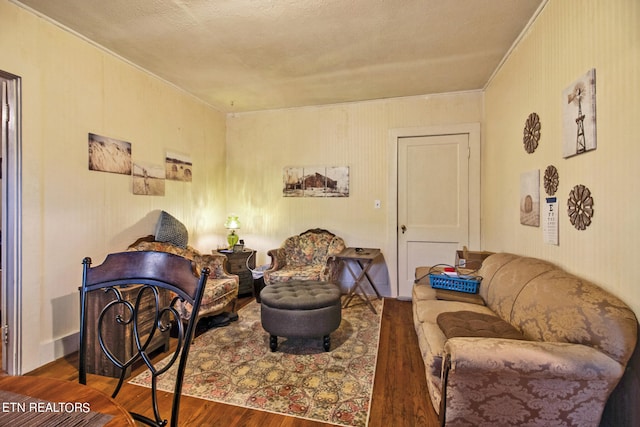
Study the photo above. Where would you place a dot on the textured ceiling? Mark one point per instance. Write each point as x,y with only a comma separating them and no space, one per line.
244,55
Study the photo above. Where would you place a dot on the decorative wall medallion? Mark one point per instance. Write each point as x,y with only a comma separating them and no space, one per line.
531,133
580,207
551,180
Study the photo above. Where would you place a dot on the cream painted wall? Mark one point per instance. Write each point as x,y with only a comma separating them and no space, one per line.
261,144
71,88
568,39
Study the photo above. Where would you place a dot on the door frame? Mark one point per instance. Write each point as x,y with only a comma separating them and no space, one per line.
12,231
471,129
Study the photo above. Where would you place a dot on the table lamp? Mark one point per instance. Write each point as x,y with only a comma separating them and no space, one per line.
232,223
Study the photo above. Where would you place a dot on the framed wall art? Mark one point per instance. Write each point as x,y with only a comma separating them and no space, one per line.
148,179
178,167
315,181
109,155
579,116
530,198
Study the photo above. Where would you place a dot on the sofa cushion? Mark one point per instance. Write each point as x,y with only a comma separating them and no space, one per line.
423,292
504,288
558,306
428,310
473,324
170,230
447,295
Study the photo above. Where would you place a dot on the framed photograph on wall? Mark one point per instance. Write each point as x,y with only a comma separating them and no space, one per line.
315,181
530,198
148,179
337,181
109,155
579,116
178,167
292,183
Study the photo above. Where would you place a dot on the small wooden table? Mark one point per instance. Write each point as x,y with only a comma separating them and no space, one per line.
25,398
239,263
362,258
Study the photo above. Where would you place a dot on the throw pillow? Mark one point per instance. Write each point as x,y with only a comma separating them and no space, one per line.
170,230
473,324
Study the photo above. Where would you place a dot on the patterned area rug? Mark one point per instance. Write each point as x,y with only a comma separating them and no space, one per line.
233,365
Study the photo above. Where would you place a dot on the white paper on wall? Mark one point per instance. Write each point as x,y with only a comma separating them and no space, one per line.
550,221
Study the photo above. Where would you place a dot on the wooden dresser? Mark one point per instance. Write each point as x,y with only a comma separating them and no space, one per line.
119,339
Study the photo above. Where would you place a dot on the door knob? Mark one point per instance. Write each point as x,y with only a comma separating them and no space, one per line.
403,228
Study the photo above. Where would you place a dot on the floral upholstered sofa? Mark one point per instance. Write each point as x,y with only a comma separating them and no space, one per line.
221,291
539,347
307,256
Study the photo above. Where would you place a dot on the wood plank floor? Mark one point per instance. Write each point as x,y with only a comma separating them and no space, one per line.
400,396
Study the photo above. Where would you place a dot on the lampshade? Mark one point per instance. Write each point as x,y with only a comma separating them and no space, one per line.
232,222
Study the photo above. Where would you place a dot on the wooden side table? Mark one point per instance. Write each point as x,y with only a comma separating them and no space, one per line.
358,261
237,264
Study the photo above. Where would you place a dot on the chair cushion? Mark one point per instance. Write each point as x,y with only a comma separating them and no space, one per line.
473,324
287,274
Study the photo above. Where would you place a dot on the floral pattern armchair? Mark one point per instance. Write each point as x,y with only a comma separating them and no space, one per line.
307,256
221,291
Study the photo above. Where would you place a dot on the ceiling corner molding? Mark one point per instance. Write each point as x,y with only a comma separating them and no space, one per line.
515,43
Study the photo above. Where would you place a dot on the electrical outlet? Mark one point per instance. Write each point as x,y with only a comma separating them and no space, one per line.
377,204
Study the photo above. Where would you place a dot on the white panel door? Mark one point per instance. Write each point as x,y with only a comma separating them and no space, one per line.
433,202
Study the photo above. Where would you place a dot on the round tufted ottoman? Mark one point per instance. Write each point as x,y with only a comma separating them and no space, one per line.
304,309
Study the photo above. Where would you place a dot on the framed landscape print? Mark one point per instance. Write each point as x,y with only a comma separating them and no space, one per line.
178,167
315,181
148,179
109,155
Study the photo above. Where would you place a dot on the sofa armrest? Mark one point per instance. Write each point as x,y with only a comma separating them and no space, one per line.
217,265
278,259
531,359
536,381
332,268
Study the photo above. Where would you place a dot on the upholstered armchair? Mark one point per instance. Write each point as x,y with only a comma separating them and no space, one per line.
307,256
221,289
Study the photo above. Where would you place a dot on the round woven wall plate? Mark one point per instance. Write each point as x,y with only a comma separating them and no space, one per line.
580,207
551,180
531,133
